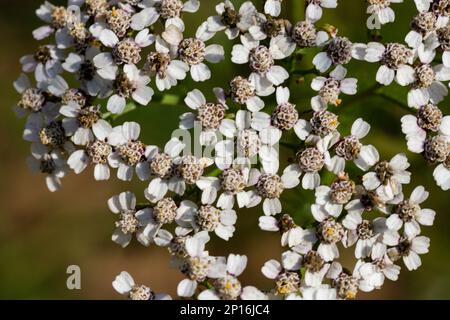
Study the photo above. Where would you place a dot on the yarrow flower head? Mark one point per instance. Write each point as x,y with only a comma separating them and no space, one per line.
395,59
257,136
232,21
210,116
338,51
131,221
193,51
329,89
125,285
261,60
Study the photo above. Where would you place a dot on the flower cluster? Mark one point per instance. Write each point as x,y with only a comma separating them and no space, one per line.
101,60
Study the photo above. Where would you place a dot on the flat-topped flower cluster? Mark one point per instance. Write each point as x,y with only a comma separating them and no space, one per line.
98,62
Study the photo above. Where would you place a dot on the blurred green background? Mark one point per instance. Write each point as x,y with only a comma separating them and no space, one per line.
43,233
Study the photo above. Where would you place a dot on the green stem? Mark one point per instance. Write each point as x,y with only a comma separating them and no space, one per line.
207,284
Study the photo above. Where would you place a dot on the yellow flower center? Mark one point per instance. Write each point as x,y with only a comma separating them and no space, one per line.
114,12
351,296
330,231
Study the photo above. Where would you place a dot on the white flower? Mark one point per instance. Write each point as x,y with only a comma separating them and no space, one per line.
305,35
59,19
338,51
168,10
333,198
430,32
48,131
322,124
347,284
94,80
409,250
249,144
285,273
210,116
163,213
232,182
429,119
388,177
45,63
98,152
323,292
310,161
442,176
243,91
359,231
132,221
351,149
330,88
264,27
386,236
207,218
193,51
409,214
395,59
226,284
423,5
370,200
180,172
127,50
298,239
423,33
273,7
33,99
253,293
176,244
315,268
104,65
124,284
439,40
48,162
129,151
330,233
163,65
261,59
230,20
115,19
374,273
285,116
314,8
132,84
268,188
382,11
428,86
79,122
159,166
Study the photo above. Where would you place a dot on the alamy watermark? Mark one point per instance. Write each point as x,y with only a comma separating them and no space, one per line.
73,281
